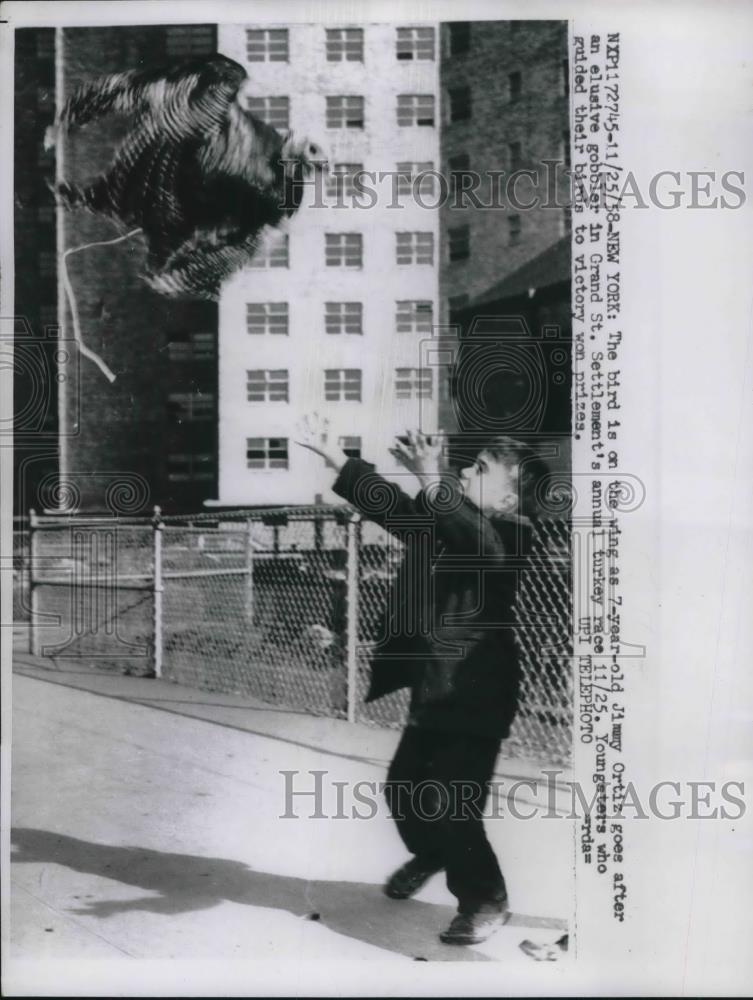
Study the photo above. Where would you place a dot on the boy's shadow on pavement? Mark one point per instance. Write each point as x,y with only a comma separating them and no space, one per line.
189,882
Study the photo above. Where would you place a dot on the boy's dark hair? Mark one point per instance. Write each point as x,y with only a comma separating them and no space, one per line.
532,470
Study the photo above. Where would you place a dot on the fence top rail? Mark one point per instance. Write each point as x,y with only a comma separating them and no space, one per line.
271,516
205,520
75,521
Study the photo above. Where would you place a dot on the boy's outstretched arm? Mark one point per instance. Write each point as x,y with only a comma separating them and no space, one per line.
460,526
357,481
313,433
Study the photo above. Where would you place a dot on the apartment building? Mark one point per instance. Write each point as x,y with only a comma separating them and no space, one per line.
506,121
149,437
337,313
35,395
505,232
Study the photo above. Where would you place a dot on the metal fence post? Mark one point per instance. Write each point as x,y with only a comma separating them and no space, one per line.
351,632
249,572
157,590
32,583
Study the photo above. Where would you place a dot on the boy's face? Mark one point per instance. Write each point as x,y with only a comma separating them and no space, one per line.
490,483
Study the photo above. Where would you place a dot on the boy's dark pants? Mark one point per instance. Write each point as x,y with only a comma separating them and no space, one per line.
455,770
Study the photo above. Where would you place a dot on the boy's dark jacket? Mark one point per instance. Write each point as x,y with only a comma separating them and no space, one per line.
447,631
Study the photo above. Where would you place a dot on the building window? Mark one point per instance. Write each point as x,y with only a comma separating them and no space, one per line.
415,248
204,346
191,407
459,166
274,254
459,35
267,385
513,229
340,181
565,78
344,249
415,109
345,45
267,45
515,150
515,85
445,378
459,104
45,44
414,316
187,40
351,446
275,111
182,467
267,317
266,453
345,112
415,43
197,346
45,160
47,263
342,384
179,350
413,383
459,163
459,242
415,178
343,317
48,316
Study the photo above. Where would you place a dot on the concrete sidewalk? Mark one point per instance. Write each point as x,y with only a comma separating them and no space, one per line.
356,741
156,834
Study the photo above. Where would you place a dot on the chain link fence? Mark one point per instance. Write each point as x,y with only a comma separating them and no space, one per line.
279,605
86,589
20,573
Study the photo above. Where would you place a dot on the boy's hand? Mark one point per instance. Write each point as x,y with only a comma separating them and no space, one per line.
421,456
313,433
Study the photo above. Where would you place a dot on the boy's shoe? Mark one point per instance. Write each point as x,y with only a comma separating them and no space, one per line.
473,928
545,952
408,879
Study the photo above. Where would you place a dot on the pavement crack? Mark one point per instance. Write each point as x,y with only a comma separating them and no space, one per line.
65,916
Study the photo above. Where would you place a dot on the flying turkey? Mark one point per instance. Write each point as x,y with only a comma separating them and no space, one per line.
200,175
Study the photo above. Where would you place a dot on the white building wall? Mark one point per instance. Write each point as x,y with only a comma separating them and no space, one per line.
308,283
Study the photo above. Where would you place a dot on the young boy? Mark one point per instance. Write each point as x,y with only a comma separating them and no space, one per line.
448,635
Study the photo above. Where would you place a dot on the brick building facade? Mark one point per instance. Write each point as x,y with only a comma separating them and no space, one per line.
35,287
150,437
505,275
505,88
